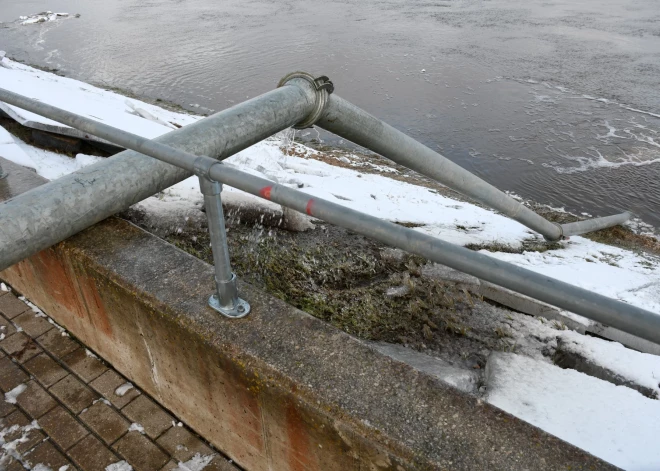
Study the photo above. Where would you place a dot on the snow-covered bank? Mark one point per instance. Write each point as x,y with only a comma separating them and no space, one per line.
622,274
612,422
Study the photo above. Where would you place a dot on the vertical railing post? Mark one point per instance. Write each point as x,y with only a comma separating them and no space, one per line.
225,300
3,174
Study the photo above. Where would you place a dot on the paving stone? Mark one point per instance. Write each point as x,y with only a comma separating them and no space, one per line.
90,454
45,369
20,346
170,466
220,463
140,452
62,427
6,408
107,384
73,394
150,415
10,375
84,365
11,306
182,444
47,455
57,344
31,437
32,325
13,465
35,400
105,421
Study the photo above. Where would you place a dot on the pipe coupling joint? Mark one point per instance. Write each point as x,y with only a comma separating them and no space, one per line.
202,167
323,87
561,234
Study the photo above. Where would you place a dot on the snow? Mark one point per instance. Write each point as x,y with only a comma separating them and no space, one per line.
119,466
611,422
621,274
640,368
90,354
10,150
86,100
135,427
12,395
196,463
123,389
9,449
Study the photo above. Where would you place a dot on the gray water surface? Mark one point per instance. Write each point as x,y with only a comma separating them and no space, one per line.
557,101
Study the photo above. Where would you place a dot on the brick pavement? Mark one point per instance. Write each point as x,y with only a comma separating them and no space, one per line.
64,409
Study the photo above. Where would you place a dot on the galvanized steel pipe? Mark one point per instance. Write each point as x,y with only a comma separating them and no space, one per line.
350,122
50,213
590,225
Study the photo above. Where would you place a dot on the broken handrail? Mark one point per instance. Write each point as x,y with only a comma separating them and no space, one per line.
346,120
626,317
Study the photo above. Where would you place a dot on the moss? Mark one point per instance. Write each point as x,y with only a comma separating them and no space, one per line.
344,281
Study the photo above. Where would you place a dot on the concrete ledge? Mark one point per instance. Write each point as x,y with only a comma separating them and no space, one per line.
279,389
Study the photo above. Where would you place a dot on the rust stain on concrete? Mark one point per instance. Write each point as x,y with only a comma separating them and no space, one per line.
95,307
51,270
299,452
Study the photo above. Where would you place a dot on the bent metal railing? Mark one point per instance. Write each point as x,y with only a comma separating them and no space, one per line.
50,213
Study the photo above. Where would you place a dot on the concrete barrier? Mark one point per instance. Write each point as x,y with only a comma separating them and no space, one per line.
278,390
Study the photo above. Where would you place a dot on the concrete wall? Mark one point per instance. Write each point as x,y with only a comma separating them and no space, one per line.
278,390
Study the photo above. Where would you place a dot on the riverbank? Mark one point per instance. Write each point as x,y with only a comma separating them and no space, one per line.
376,293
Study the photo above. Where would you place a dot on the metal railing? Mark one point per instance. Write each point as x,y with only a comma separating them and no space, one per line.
50,213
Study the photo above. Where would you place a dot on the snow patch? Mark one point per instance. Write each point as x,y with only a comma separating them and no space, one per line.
196,463
119,466
135,427
12,395
123,389
610,422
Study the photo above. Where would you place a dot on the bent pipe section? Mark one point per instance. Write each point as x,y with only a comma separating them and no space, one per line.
590,225
350,122
50,213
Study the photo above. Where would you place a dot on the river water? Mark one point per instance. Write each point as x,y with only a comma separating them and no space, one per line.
557,101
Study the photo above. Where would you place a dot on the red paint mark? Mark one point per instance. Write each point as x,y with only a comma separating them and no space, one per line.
265,192
310,203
